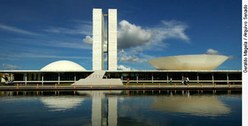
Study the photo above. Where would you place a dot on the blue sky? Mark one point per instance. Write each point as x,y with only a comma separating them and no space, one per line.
34,33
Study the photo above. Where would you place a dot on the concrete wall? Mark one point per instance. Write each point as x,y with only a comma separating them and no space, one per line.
112,39
98,37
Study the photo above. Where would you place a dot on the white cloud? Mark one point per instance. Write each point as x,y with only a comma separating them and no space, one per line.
10,67
216,52
126,58
130,35
33,55
36,55
174,29
122,67
79,28
135,39
123,56
88,40
212,51
70,44
62,30
16,30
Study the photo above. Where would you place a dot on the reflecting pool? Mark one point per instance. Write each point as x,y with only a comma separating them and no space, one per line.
120,108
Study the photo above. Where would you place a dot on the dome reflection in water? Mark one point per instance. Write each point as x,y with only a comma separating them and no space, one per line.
112,108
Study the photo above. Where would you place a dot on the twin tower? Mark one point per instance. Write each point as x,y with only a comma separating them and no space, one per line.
99,37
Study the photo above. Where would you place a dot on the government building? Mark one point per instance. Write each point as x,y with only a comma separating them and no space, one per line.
198,68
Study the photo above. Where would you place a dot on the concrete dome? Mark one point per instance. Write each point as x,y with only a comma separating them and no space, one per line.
63,65
188,62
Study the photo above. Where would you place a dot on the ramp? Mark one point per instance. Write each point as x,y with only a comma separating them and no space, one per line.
97,78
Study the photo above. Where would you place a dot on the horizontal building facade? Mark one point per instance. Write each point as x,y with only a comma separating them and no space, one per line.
152,76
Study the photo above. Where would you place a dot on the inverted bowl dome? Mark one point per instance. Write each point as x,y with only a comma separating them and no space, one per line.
188,62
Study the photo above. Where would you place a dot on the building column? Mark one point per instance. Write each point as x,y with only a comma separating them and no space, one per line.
227,78
75,78
98,39
212,78
25,78
58,78
10,77
137,78
112,39
152,78
42,79
197,78
167,77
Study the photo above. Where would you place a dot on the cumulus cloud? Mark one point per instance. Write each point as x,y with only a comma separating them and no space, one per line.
10,67
123,56
131,35
136,39
170,29
216,52
126,58
212,51
88,40
122,67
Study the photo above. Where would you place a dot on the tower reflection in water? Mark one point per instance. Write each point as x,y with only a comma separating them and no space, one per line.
98,107
104,109
98,115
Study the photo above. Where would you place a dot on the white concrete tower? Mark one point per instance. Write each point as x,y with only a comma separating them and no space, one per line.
98,38
112,39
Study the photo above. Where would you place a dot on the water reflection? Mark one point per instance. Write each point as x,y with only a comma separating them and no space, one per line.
97,109
61,103
98,112
112,108
182,102
195,105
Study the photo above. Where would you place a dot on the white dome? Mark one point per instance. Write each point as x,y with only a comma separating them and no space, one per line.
63,65
188,62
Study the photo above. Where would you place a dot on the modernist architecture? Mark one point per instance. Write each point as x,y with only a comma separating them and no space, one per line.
198,68
63,65
99,39
188,62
